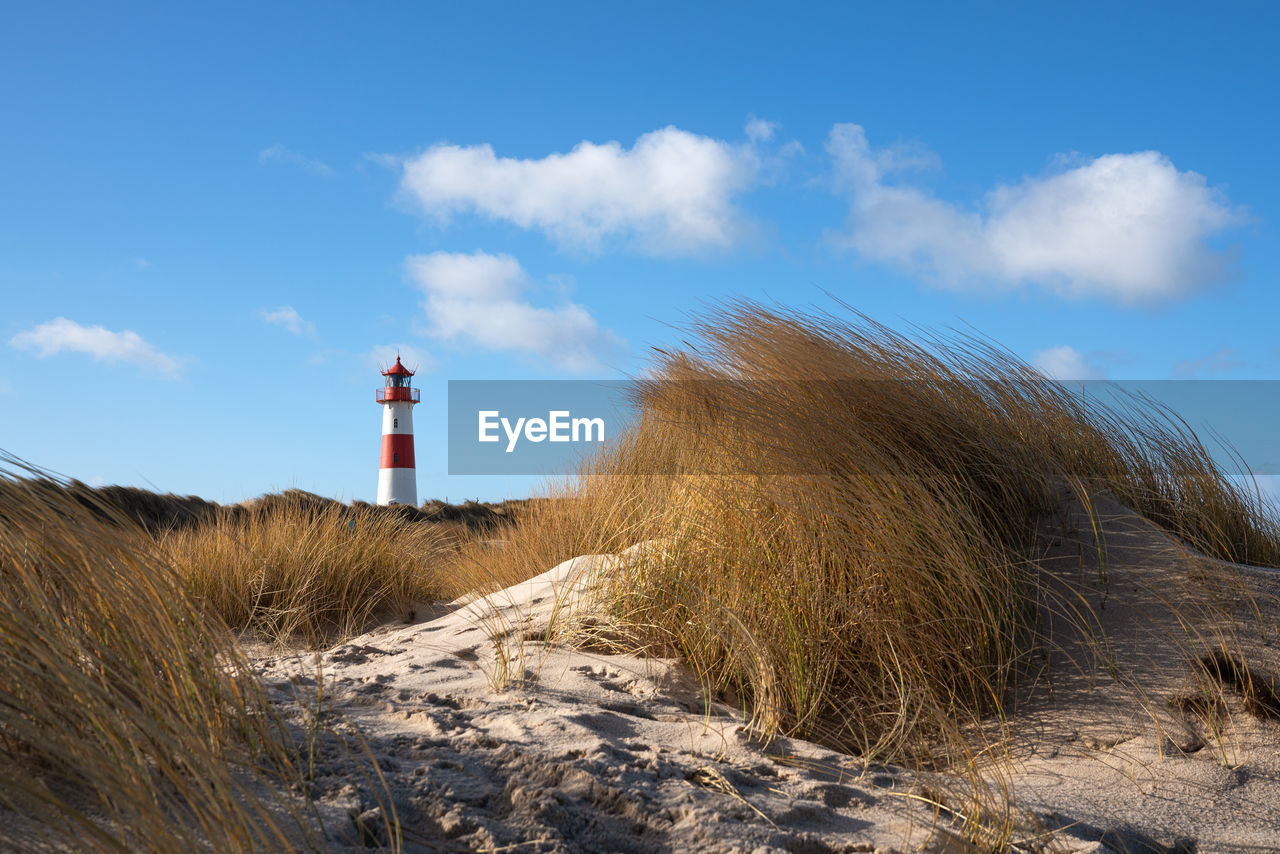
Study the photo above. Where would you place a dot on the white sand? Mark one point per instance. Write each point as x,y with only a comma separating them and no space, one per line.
1104,755
491,739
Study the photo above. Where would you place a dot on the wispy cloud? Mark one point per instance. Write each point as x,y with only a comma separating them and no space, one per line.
287,316
142,264
61,335
760,130
479,299
287,156
377,158
671,193
1213,365
1066,363
1127,227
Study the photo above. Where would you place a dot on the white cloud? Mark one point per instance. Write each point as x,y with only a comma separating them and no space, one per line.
1265,487
142,263
1066,364
279,154
1128,227
62,335
671,193
478,298
1269,486
288,317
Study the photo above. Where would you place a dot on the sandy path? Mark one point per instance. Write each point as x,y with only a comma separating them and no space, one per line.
582,751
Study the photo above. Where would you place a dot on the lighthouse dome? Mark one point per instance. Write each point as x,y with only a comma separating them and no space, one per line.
397,370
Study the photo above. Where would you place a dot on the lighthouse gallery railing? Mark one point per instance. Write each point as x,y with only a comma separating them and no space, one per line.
399,393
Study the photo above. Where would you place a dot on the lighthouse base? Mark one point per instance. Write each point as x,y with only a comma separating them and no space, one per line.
398,486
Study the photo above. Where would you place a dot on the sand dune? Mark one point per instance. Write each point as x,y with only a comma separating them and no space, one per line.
492,738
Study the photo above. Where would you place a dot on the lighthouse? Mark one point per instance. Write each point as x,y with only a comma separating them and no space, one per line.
397,477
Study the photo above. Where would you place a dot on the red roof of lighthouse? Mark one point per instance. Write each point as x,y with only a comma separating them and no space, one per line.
397,370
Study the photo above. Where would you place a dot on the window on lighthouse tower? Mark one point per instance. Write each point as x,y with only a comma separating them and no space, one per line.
395,423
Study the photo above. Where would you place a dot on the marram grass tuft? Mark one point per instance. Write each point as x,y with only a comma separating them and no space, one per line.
292,571
844,521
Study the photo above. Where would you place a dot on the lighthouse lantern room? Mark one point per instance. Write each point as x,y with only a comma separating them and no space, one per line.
397,477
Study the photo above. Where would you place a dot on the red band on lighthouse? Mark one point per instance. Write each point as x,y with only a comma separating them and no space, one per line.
397,451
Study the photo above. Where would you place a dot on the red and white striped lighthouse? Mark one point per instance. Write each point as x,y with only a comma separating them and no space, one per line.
397,477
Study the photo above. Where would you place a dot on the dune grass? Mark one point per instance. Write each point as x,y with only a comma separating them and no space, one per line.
847,519
295,567
129,721
293,570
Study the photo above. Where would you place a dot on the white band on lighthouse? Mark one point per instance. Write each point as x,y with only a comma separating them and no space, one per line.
397,486
397,472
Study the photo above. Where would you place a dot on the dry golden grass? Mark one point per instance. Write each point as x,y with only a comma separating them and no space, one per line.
315,572
847,520
128,719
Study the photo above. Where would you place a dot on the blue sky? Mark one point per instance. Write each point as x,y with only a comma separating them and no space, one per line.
215,222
